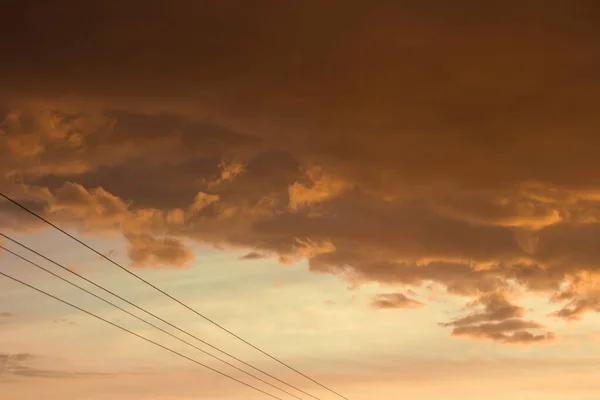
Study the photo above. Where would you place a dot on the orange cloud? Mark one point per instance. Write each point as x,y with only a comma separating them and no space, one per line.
229,171
202,200
511,331
321,187
499,321
582,294
460,179
285,260
253,255
394,301
146,251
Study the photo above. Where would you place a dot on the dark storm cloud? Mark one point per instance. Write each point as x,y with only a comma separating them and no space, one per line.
390,142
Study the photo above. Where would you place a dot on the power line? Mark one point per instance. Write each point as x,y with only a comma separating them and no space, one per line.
153,315
138,335
144,321
168,295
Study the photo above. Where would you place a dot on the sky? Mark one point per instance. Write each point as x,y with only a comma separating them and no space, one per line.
400,199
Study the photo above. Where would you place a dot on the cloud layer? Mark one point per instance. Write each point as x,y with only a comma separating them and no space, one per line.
388,143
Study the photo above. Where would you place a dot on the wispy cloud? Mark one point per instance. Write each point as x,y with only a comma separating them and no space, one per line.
65,321
253,255
499,321
6,317
394,301
24,365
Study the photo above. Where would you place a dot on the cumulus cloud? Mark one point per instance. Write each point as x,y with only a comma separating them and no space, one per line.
146,251
493,317
394,301
397,156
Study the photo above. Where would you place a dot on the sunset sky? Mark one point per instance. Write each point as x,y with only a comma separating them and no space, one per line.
400,199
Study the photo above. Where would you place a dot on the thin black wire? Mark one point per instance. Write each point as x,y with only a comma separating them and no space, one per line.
138,335
168,295
152,314
144,321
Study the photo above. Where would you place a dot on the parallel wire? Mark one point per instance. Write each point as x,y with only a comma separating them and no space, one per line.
153,315
169,296
137,335
144,321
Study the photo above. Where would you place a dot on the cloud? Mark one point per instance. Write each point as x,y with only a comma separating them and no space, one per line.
581,293
499,321
285,260
65,321
146,251
320,188
411,149
229,171
96,208
577,307
19,357
6,317
203,200
394,301
253,255
518,211
511,331
25,365
495,307
33,198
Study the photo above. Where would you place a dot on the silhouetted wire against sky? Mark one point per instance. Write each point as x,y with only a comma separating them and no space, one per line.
139,318
167,294
137,335
153,315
